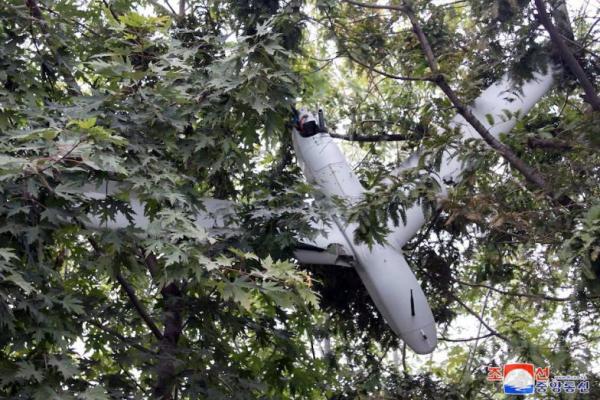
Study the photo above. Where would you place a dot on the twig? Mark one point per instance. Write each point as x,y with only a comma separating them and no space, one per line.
474,346
454,340
521,294
376,6
73,87
61,158
480,319
404,365
386,74
70,21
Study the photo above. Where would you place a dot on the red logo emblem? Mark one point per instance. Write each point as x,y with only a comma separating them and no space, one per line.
542,374
494,374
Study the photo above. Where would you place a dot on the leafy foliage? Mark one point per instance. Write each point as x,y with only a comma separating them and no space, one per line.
181,105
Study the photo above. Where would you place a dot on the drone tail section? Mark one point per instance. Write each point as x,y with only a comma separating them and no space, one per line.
498,108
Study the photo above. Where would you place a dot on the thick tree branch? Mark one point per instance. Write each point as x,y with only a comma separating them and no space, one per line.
531,174
424,42
139,307
181,9
560,14
590,92
548,144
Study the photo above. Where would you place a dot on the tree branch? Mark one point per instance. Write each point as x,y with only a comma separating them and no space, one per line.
386,74
367,66
370,138
590,92
531,174
132,297
139,307
521,294
170,11
181,9
119,336
110,9
548,144
473,313
445,339
36,14
474,346
376,6
424,42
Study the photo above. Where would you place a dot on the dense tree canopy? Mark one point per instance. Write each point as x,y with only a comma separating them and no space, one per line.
187,101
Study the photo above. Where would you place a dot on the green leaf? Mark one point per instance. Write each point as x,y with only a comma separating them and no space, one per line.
28,371
71,304
94,393
84,124
64,365
7,254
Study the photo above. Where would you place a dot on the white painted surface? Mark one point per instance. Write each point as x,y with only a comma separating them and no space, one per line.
383,269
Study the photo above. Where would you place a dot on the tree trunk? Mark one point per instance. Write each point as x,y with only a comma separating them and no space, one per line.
166,376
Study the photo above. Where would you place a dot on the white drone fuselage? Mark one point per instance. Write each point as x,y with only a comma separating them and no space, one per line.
382,268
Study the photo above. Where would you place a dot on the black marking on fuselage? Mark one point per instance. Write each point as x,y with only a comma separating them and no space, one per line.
412,304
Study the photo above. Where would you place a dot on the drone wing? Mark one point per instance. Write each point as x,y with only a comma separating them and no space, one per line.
328,247
498,108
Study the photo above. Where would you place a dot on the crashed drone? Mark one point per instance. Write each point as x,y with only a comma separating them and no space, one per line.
382,268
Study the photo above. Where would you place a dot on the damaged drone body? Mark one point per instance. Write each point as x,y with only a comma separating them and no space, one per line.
383,268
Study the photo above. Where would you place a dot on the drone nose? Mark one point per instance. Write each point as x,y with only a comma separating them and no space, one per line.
422,340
